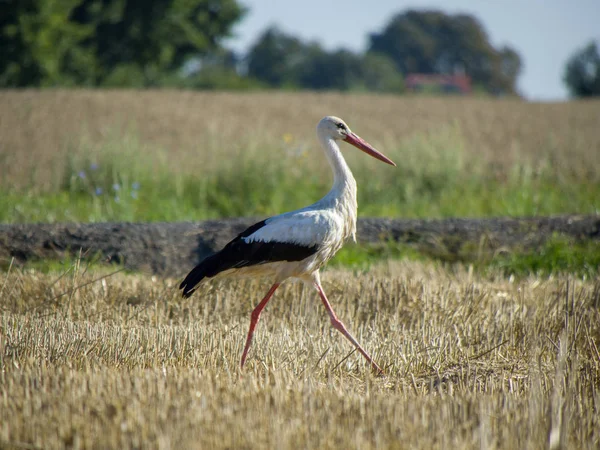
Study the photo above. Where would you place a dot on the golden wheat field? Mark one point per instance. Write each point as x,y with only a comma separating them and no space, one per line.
191,132
470,362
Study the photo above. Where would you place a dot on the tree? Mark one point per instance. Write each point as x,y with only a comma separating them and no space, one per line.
432,42
582,72
345,71
510,65
281,60
275,57
217,70
155,36
39,43
337,70
379,74
107,41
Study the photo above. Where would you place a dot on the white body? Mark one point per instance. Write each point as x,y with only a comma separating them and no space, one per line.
327,223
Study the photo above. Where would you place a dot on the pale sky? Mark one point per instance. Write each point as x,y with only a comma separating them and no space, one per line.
544,32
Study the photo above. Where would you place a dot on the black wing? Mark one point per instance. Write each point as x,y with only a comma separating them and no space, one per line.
238,253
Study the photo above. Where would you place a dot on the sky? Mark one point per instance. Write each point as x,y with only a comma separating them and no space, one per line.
544,32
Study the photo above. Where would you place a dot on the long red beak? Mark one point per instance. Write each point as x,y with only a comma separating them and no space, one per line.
363,145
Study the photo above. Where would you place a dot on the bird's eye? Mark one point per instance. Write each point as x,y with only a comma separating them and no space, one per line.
341,126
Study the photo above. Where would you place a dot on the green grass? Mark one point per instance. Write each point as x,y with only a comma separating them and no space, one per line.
69,263
557,255
364,256
113,181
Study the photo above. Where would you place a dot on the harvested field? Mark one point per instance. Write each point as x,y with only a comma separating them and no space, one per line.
471,362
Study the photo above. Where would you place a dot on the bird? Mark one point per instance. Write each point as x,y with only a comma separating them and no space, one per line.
297,244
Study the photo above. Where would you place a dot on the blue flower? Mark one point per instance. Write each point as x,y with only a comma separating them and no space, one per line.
135,185
93,166
116,187
81,174
98,191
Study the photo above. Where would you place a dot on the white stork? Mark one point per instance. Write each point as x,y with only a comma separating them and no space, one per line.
296,244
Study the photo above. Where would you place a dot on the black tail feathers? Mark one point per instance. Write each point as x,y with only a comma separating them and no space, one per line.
209,267
188,285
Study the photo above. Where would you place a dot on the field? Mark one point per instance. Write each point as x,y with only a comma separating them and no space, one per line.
169,155
475,357
470,362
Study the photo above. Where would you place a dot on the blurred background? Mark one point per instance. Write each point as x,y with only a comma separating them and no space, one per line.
538,50
154,110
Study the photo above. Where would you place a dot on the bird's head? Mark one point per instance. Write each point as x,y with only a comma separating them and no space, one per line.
335,128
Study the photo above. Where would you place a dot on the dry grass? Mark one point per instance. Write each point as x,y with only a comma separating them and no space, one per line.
192,131
471,363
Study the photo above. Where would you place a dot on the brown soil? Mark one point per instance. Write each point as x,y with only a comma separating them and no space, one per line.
172,248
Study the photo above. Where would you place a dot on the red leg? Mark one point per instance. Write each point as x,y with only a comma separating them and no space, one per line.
338,325
254,320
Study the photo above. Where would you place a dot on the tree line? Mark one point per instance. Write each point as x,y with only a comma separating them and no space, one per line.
180,43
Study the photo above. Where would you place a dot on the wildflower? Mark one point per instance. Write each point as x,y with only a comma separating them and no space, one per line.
116,187
98,191
93,166
134,195
135,185
81,174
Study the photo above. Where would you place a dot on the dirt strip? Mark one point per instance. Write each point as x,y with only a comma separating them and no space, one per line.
172,248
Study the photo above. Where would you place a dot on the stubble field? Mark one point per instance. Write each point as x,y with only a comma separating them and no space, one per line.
473,359
470,362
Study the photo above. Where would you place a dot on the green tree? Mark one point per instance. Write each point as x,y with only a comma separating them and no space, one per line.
379,74
433,42
218,70
114,42
39,44
582,72
154,37
281,60
344,70
337,70
275,57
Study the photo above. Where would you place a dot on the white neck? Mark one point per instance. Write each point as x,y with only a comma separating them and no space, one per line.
342,176
342,195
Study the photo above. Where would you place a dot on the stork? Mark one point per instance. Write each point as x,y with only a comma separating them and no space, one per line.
298,243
